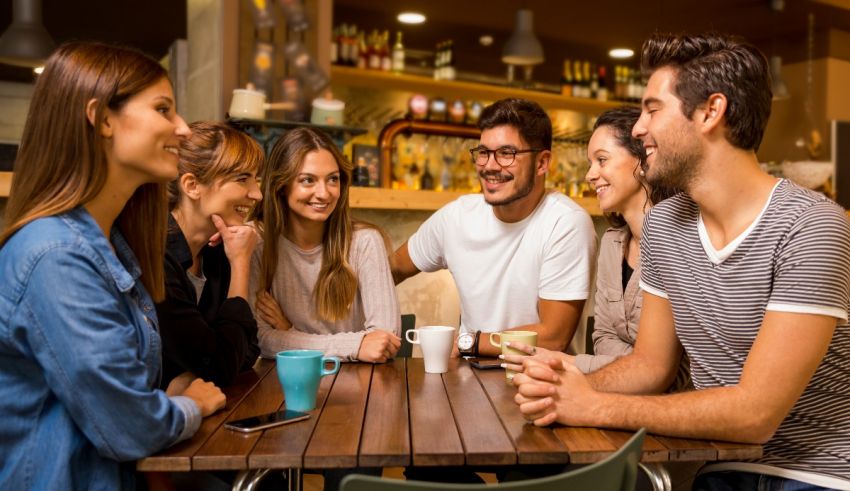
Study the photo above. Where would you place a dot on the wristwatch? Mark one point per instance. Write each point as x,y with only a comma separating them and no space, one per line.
467,343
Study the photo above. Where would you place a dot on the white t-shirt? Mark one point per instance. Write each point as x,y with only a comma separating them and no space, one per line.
502,269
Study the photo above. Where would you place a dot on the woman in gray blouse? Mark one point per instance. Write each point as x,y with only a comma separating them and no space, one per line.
616,173
321,280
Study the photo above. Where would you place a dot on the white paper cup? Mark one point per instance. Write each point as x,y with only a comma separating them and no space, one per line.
436,343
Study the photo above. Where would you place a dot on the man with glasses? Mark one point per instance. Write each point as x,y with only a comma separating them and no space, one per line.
521,257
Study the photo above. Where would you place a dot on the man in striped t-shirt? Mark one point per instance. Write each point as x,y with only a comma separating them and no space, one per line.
749,274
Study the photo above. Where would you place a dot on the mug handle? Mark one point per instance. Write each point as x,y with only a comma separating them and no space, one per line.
333,370
494,343
415,333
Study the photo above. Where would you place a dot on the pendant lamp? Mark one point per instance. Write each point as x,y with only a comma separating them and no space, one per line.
25,42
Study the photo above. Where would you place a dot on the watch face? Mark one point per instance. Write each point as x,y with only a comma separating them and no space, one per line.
465,341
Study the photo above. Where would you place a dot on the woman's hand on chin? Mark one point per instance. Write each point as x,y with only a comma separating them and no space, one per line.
239,240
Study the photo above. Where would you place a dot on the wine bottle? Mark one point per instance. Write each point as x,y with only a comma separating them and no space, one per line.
398,54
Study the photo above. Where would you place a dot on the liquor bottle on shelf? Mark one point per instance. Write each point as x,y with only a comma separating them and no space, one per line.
567,79
374,51
594,83
335,46
438,61
412,177
585,80
398,54
602,93
449,72
352,40
426,182
577,89
361,51
386,58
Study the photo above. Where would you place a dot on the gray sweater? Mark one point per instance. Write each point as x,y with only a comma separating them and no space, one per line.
375,304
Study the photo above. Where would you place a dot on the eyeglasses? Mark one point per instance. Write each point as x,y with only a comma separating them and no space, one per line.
504,156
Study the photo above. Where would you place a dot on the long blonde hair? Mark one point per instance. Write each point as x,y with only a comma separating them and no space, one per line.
336,285
62,164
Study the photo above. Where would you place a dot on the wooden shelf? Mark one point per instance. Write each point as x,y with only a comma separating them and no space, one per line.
454,89
5,184
380,198
398,199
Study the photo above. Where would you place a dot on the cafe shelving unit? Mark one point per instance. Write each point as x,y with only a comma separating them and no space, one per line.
411,200
344,76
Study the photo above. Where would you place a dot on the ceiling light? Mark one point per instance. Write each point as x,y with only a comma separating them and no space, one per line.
38,69
411,18
26,41
621,53
523,47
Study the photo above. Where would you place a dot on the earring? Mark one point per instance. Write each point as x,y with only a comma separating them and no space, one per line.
642,173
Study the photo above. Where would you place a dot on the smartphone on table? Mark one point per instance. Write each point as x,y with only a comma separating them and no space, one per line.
485,363
264,421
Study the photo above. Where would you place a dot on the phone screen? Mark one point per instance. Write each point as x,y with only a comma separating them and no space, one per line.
485,363
264,421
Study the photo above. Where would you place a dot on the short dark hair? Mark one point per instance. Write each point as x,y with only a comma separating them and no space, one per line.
716,63
621,120
526,116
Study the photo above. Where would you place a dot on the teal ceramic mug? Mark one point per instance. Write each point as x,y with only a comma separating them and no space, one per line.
299,372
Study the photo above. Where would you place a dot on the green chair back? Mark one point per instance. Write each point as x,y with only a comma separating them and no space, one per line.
617,472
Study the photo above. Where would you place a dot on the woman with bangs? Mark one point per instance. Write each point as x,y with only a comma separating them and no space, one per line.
322,279
208,329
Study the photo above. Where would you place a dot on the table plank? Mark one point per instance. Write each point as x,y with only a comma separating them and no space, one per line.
534,445
585,445
178,458
737,451
386,430
651,451
336,439
283,447
683,449
484,438
433,433
228,450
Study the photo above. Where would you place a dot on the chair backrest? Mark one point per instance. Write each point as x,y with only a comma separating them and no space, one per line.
616,473
408,322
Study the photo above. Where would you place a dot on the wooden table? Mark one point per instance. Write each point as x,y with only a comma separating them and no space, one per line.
395,415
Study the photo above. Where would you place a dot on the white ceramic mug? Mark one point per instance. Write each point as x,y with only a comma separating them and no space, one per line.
251,104
436,343
248,104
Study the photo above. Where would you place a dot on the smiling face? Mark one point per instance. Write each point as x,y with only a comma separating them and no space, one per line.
511,184
143,136
313,194
231,197
673,144
613,173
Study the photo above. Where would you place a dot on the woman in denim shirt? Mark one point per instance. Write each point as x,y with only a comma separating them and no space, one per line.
81,262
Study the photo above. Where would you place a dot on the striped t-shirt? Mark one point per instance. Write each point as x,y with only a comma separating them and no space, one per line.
795,257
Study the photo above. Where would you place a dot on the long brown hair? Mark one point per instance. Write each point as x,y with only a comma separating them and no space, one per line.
620,121
215,150
336,286
61,162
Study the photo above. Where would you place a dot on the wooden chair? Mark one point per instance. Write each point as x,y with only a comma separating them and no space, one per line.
617,472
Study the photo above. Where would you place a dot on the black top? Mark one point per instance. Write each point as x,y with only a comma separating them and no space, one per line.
215,338
627,273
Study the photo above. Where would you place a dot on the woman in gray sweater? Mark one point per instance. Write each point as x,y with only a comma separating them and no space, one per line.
321,280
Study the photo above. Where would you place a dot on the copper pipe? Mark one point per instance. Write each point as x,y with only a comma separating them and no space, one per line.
393,128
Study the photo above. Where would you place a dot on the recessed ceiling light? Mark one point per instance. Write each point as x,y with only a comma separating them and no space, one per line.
38,69
486,40
621,53
411,18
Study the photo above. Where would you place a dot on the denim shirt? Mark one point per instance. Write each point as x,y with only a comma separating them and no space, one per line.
79,357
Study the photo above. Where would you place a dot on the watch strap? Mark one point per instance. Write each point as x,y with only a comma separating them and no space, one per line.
475,343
